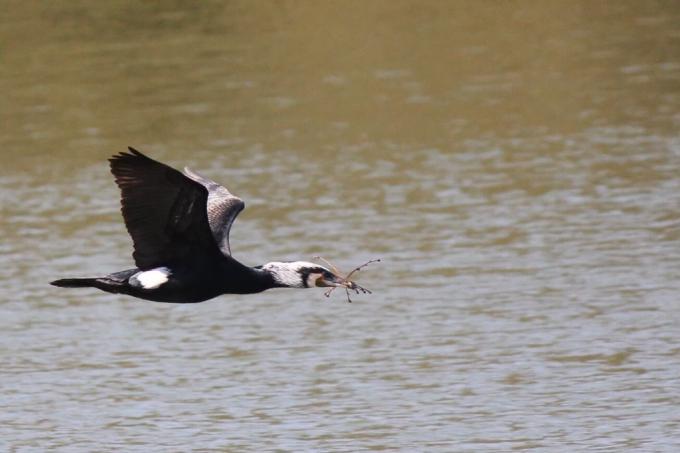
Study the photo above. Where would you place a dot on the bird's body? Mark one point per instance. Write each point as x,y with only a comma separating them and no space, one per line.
179,223
179,283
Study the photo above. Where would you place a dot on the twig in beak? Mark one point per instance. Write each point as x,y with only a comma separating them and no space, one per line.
335,269
358,268
349,299
348,283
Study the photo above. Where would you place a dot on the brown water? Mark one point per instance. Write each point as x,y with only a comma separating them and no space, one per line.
515,164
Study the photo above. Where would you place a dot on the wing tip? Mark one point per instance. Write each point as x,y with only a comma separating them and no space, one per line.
131,152
126,157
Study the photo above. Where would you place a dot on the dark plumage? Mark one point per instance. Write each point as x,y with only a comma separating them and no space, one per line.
179,224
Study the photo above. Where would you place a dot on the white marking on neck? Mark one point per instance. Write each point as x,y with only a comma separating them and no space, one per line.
154,278
288,273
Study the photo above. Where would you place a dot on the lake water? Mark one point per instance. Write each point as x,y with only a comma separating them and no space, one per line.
515,165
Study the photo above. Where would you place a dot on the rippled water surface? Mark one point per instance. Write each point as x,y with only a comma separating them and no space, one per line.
515,165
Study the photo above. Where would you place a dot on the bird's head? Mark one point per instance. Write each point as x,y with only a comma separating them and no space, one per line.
303,274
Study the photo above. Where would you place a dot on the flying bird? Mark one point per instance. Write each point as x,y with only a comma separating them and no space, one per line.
179,224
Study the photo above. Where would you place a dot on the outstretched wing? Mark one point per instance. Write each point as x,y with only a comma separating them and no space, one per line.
223,207
164,211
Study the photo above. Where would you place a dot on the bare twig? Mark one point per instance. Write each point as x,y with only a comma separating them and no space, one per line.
335,269
358,268
349,284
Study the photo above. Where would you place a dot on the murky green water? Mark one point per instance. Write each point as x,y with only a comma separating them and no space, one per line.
515,165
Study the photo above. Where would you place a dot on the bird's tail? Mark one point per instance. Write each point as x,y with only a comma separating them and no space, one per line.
112,283
75,282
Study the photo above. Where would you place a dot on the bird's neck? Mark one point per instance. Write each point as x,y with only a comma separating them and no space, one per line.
264,278
237,278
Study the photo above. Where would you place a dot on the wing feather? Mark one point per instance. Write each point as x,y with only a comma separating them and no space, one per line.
222,207
164,211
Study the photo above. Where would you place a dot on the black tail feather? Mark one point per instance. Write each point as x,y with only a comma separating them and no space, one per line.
75,282
112,283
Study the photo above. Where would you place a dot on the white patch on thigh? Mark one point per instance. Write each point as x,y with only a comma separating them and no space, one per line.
152,279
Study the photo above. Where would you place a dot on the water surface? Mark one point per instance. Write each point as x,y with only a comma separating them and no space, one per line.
516,167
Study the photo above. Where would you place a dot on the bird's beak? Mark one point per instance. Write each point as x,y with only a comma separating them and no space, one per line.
334,280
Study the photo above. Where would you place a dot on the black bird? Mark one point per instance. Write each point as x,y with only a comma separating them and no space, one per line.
179,224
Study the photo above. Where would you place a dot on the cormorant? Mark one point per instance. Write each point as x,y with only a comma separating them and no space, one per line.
179,224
